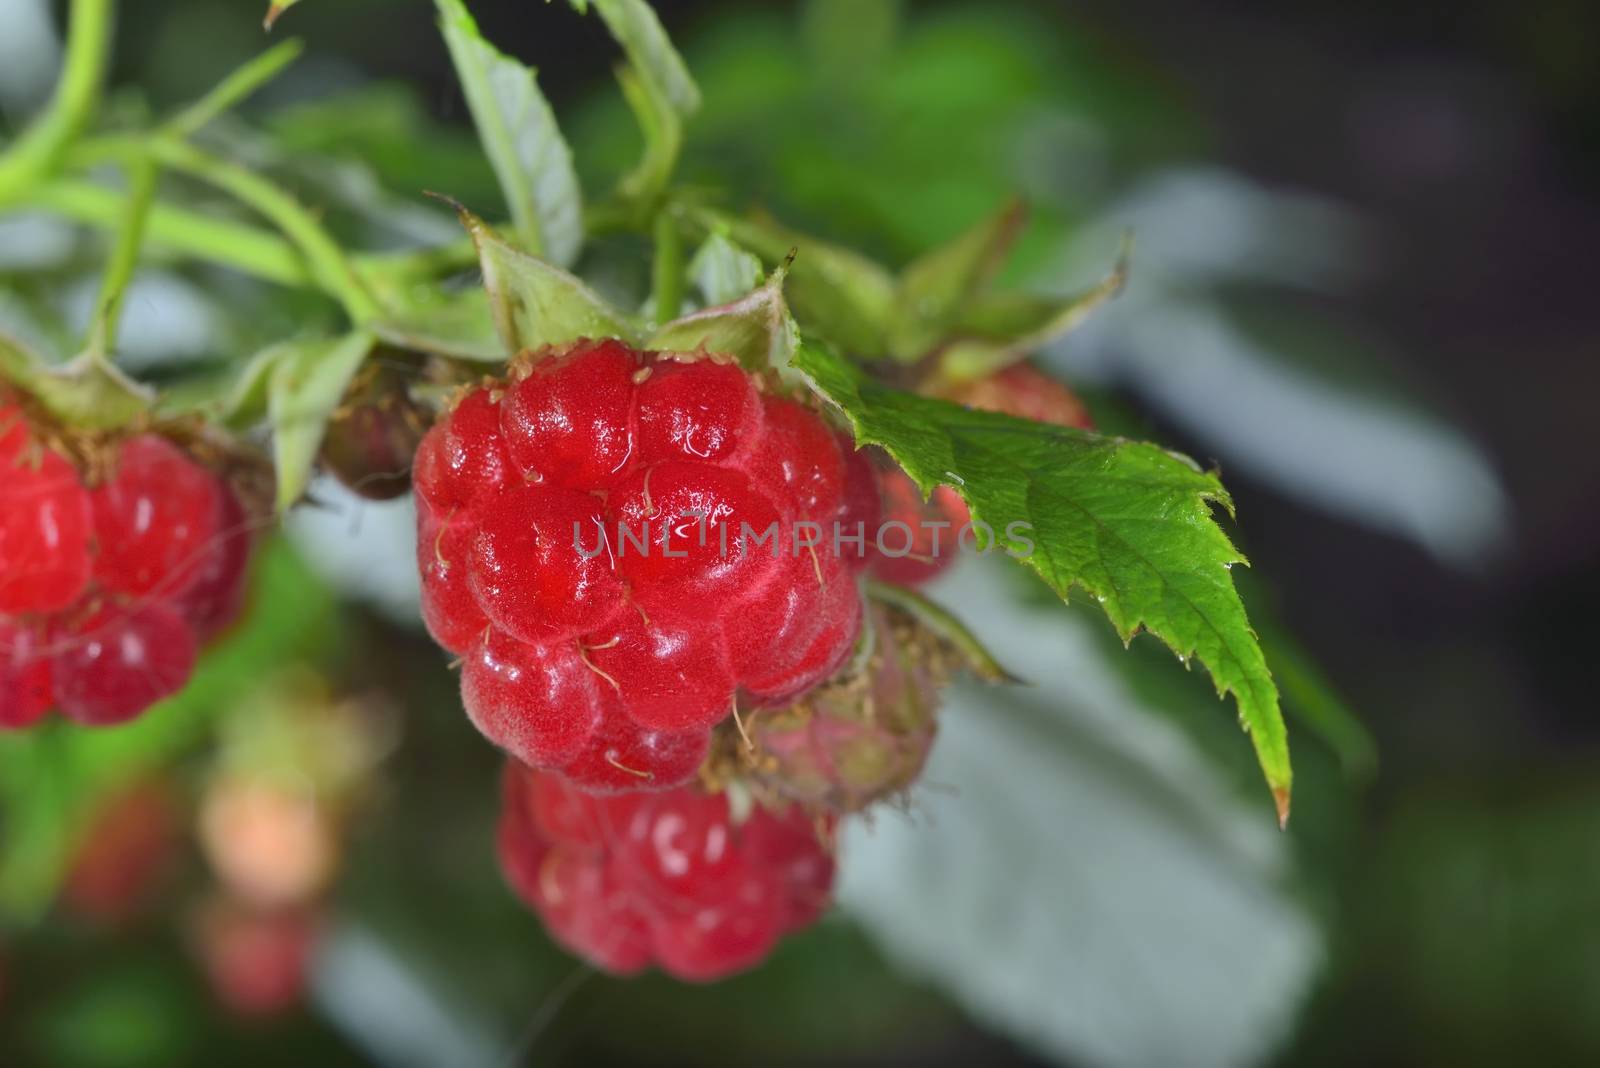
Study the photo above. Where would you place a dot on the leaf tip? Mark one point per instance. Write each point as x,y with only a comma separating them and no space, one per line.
275,11
1280,800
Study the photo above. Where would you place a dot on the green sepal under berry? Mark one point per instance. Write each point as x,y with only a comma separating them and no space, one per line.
88,393
756,329
1129,522
534,303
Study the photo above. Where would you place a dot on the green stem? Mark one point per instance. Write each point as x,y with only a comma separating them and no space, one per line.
124,255
667,268
42,145
233,89
323,255
946,625
223,242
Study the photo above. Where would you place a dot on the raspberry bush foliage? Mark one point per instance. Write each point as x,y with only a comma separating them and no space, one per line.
673,521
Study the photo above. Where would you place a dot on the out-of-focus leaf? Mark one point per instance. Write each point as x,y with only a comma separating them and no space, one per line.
303,391
520,137
87,393
935,289
756,329
1001,328
52,778
635,26
457,324
535,303
836,293
1171,931
722,271
1127,521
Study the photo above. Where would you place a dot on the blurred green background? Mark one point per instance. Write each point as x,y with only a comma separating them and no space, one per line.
1361,286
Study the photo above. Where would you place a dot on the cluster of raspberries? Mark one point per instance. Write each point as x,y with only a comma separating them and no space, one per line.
108,587
618,544
622,546
666,878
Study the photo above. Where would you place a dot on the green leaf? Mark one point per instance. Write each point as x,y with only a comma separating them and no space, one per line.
635,26
455,324
87,393
1127,521
535,303
757,329
722,271
303,391
836,293
935,289
520,137
1001,328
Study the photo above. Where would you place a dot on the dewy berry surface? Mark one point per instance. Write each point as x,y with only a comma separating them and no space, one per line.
666,878
617,544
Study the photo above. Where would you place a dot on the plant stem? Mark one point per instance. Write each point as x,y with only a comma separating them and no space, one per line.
323,255
667,268
77,92
233,89
223,242
124,256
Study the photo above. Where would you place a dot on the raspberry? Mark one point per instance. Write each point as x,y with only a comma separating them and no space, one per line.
371,440
155,520
616,542
24,677
918,538
858,739
1026,392
105,593
118,662
44,529
669,878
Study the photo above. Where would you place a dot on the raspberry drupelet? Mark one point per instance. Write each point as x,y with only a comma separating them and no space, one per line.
619,543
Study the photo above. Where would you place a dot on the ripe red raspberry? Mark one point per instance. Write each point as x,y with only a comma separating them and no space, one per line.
105,593
616,542
665,878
